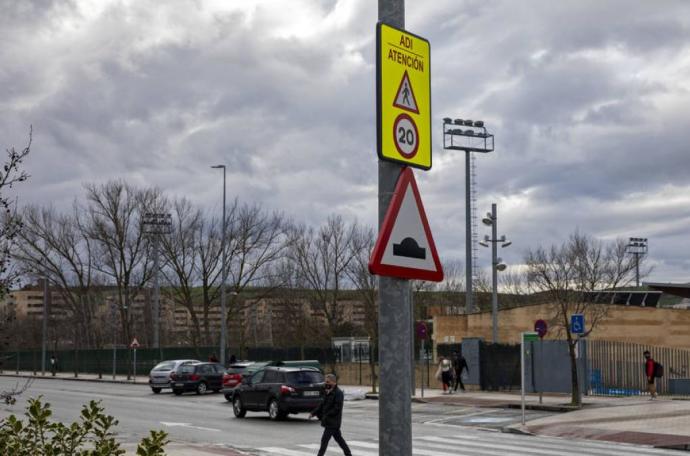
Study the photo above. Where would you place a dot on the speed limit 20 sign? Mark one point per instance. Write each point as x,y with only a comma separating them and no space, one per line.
403,91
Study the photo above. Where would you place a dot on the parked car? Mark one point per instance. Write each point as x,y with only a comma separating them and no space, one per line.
279,391
159,377
198,377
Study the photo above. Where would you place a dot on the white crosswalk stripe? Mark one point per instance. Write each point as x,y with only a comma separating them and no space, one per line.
484,444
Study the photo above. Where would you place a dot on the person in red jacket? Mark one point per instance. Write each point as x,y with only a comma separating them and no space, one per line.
649,373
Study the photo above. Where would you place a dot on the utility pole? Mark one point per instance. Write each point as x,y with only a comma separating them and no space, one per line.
224,277
497,265
156,224
395,312
44,329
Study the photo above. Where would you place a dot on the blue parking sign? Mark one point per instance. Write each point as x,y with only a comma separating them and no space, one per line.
577,324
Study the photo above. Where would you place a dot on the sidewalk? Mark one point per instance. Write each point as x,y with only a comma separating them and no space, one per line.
660,423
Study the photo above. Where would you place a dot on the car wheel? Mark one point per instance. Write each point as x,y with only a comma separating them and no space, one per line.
177,392
274,411
156,390
201,388
237,408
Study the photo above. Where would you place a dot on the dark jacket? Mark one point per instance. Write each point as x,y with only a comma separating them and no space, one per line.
330,412
460,363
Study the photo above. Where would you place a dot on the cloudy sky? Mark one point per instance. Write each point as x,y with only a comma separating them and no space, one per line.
589,101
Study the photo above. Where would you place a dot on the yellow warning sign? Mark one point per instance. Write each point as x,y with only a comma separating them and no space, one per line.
403,91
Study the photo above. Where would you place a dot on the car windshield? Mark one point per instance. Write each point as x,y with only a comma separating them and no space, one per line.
186,369
304,377
166,366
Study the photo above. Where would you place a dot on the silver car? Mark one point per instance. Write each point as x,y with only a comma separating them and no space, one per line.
159,377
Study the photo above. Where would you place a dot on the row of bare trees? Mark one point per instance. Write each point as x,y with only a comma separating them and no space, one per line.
100,258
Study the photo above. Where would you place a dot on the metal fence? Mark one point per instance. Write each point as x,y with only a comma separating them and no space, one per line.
617,368
500,366
121,360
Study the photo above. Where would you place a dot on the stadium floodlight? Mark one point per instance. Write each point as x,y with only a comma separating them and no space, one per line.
447,120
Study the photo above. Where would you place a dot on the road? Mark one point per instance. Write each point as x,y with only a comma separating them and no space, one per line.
438,430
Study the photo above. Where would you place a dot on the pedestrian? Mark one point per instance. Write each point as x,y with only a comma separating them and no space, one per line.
649,371
330,412
53,365
213,358
444,374
233,359
459,364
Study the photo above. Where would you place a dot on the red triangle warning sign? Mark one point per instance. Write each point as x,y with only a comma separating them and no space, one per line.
405,247
405,99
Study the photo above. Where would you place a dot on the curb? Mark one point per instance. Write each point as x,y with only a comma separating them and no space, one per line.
74,379
515,430
546,407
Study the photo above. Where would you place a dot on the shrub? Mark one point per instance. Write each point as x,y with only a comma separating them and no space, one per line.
91,435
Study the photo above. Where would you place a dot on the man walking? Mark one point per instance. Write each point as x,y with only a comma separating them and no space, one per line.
330,412
649,366
459,364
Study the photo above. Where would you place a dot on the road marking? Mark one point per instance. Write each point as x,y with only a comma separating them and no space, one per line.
334,448
284,452
189,426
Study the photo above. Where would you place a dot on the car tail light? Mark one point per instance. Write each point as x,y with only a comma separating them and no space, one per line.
194,377
286,389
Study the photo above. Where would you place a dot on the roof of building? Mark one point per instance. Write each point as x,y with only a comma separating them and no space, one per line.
677,289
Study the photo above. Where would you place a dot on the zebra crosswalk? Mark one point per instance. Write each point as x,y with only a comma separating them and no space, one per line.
482,444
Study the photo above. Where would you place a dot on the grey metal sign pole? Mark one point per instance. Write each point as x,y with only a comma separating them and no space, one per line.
494,275
395,306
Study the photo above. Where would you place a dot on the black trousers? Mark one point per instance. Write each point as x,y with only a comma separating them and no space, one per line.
458,381
335,433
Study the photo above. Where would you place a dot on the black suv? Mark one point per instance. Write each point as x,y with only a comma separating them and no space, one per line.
279,391
198,377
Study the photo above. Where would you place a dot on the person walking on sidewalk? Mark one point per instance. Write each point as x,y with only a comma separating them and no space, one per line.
649,371
53,365
444,374
459,364
330,412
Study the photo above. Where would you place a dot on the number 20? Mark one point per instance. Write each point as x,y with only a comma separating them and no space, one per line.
406,134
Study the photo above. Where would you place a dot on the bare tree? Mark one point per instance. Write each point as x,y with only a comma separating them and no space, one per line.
10,226
182,255
322,258
113,221
366,285
56,246
565,274
257,241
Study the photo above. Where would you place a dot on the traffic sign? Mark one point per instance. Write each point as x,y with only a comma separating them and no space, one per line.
403,97
405,247
540,327
134,344
530,336
577,324
421,330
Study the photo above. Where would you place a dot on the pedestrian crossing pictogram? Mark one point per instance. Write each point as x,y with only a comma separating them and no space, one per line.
405,98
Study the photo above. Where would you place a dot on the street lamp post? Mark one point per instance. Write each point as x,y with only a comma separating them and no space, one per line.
223,311
472,139
637,247
497,264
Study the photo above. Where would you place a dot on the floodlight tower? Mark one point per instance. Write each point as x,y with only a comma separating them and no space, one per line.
468,136
637,247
